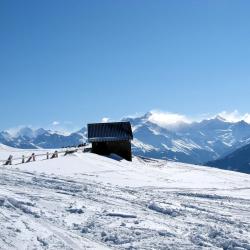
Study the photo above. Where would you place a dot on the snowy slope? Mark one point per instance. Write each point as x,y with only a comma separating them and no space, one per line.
85,201
5,151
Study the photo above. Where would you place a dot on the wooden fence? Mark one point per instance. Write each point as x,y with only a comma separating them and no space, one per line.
40,156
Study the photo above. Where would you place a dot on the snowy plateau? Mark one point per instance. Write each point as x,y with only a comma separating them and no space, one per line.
86,201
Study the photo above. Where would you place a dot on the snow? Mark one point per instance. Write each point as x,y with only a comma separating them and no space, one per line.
86,201
5,151
184,146
145,147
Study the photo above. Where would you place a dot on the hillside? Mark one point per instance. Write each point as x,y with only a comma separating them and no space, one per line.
85,201
239,160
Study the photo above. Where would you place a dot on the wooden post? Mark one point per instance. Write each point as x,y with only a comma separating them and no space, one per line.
33,157
9,160
54,155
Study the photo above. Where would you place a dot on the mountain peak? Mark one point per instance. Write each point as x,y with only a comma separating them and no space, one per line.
242,122
220,118
23,131
27,132
147,115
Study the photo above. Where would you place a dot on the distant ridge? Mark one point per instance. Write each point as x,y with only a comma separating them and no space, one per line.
190,142
27,138
239,161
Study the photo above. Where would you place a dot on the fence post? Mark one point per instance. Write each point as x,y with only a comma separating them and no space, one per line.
9,160
33,157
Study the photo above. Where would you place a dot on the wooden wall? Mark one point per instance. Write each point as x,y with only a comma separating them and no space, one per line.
121,148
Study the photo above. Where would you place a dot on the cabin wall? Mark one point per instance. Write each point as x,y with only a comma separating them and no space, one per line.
121,148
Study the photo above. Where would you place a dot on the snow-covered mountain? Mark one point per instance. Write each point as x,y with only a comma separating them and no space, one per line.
28,138
86,201
190,142
196,142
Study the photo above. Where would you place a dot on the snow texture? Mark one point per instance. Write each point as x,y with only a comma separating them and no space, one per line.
85,201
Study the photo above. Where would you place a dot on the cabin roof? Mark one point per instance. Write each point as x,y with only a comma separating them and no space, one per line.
111,131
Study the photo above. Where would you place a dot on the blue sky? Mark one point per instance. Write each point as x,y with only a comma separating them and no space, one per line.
78,61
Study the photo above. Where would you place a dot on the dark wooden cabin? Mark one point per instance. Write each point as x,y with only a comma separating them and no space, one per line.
111,137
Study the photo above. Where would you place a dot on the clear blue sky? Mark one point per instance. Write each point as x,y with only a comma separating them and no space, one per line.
79,61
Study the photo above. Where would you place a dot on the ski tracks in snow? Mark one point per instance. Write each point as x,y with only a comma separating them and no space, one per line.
39,211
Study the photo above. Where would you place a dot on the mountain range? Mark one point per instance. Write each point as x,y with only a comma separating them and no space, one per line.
28,138
195,142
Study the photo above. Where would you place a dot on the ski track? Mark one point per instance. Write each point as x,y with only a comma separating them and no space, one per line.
40,211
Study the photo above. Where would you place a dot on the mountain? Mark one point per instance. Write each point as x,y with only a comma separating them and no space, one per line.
28,138
195,143
239,161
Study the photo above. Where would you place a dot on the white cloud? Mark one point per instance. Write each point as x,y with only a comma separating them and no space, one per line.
172,120
235,116
247,118
55,123
165,119
105,119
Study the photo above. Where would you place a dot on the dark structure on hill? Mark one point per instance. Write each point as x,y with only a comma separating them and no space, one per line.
113,137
